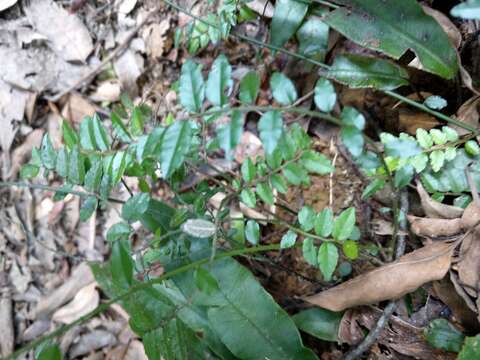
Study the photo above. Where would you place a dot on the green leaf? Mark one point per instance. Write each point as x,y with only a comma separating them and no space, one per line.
435,102
48,153
283,89
372,188
199,228
309,251
93,135
403,176
117,166
121,264
353,140
76,168
62,161
324,222
472,148
137,122
344,224
442,335
287,18
252,232
419,162
402,148
262,329
437,159
350,249
93,176
438,136
288,239
249,87
325,95
135,207
462,201
470,349
29,171
119,128
204,281
306,218
450,133
294,173
367,72
316,163
88,208
279,183
393,28
119,231
469,9
424,138
191,86
248,170
70,136
270,127
229,134
219,82
313,38
265,193
318,322
175,145
327,259
49,352
352,117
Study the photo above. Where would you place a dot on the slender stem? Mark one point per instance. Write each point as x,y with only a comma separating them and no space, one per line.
432,112
138,287
82,194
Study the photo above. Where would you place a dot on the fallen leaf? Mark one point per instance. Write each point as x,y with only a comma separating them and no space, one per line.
435,209
445,291
5,4
97,339
12,108
249,147
81,277
66,33
433,228
391,281
262,7
76,108
409,121
125,6
154,37
108,90
128,70
468,266
85,300
468,114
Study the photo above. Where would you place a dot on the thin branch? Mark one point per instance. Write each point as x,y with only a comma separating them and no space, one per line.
81,194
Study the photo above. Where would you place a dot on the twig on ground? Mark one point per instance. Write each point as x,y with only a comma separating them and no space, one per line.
391,306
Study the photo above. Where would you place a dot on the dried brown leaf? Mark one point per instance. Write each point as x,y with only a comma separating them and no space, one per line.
391,281
21,154
469,264
435,209
66,33
85,300
81,277
445,291
468,114
435,227
471,216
